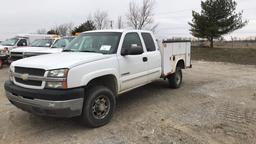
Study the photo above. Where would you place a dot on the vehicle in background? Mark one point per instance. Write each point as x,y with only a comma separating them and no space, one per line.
10,44
86,78
40,47
63,42
21,40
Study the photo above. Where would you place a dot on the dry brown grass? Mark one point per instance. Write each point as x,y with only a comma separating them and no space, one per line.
244,56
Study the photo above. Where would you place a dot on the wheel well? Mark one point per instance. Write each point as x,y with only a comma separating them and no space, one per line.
108,81
181,64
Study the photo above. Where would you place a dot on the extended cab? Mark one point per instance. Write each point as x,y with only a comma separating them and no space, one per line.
49,45
93,70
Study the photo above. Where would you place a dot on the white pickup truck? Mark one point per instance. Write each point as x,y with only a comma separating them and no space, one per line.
10,44
93,70
35,47
40,47
21,40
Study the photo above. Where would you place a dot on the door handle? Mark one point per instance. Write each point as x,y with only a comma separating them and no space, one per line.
145,59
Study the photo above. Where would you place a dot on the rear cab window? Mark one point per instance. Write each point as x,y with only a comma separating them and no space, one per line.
149,42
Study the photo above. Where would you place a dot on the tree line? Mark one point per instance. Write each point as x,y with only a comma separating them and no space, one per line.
217,18
139,16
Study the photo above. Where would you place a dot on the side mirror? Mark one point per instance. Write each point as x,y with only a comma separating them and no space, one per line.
134,50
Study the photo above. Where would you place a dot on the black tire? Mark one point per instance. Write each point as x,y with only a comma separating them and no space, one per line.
99,106
175,80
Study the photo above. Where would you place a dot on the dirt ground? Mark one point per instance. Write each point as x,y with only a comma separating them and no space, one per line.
216,104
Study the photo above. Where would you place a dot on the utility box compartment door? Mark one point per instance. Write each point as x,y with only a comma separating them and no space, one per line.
172,52
167,59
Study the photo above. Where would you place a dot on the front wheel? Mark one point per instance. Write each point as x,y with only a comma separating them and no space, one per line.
175,80
99,106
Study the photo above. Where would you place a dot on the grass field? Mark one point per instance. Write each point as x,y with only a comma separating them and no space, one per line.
234,55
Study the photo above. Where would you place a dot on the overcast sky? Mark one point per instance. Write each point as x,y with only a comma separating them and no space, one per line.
27,16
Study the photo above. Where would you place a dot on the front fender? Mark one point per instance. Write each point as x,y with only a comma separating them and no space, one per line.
95,74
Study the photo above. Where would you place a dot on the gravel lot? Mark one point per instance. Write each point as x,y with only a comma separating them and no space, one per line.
216,105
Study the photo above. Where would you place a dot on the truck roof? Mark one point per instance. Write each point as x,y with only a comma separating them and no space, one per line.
117,30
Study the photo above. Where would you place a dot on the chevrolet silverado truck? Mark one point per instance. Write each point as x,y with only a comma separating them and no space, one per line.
40,47
19,41
86,78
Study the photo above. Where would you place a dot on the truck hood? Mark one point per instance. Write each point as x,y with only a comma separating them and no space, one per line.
37,50
59,60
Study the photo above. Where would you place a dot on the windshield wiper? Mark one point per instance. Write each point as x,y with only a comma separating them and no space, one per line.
88,51
67,50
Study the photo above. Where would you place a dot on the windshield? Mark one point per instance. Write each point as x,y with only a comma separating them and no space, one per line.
100,42
61,43
42,43
9,42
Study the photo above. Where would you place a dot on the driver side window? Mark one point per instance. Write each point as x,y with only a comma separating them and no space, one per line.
131,39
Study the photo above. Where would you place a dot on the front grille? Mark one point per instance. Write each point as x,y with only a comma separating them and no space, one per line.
28,82
30,71
16,56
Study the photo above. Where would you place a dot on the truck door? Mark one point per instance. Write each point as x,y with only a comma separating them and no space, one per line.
133,68
153,55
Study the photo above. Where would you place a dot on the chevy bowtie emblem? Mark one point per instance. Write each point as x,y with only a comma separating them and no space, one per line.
24,76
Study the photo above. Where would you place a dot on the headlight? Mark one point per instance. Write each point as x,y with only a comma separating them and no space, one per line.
5,51
11,70
11,77
57,79
60,73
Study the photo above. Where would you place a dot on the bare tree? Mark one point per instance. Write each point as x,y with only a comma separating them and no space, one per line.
139,17
41,31
64,29
120,22
100,19
133,16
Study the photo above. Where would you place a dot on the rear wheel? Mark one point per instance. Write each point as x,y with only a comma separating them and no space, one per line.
175,80
98,107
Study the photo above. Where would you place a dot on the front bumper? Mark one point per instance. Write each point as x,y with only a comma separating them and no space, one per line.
3,57
30,101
